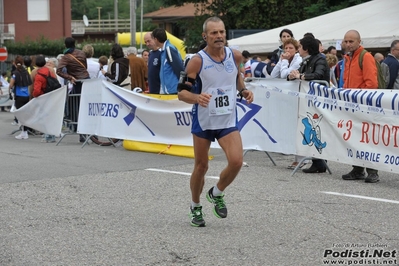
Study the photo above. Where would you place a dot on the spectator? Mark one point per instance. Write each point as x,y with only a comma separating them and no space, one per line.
379,57
75,64
119,67
4,86
145,55
72,67
384,68
103,61
289,60
313,67
332,61
4,79
52,63
61,79
393,64
257,58
308,34
40,83
138,70
171,62
93,67
332,50
339,68
256,69
21,80
154,64
321,49
39,79
284,35
357,78
246,61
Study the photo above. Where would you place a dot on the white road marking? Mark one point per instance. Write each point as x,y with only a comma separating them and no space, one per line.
360,197
175,172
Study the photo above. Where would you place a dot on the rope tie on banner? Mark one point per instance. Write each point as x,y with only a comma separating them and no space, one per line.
167,148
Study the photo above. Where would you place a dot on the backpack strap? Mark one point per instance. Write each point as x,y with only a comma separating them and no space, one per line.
77,60
362,53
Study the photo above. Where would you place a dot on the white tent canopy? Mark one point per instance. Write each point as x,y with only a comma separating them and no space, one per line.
377,22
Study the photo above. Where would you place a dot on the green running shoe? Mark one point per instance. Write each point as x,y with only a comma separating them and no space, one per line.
197,217
219,208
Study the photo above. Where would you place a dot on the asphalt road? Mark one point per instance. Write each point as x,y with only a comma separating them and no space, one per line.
67,205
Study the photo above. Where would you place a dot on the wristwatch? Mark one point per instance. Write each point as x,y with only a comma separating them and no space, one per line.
240,93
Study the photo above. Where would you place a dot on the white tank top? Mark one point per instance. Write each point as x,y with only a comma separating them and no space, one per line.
219,80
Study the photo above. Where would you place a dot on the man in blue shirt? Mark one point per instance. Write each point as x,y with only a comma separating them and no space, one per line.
154,64
171,62
393,65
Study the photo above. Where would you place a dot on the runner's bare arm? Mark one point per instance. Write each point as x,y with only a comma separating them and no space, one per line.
247,94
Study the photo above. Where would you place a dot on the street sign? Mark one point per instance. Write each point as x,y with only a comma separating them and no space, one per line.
3,54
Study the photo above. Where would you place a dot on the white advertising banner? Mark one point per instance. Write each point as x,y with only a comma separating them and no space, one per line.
356,127
5,97
111,111
268,124
44,113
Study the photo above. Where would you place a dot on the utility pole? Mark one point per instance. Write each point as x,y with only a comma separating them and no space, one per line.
116,14
99,17
141,26
133,23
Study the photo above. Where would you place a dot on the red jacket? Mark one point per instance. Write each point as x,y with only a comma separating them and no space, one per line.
40,82
355,77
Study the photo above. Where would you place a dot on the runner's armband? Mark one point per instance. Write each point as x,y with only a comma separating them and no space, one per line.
184,86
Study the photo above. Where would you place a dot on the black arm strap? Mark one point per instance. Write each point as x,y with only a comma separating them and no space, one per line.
183,86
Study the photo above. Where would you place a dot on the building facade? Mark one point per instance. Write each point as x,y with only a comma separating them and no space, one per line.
35,18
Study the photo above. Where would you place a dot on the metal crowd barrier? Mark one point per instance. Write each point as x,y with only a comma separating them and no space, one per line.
71,116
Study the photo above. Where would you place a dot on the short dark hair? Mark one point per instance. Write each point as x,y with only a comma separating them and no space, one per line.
310,44
308,34
69,42
117,51
40,61
160,35
287,31
331,48
27,61
246,54
394,43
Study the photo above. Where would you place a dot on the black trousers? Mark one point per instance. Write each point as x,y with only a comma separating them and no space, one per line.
19,102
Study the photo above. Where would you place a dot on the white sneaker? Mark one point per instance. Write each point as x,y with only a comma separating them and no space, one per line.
15,123
22,135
